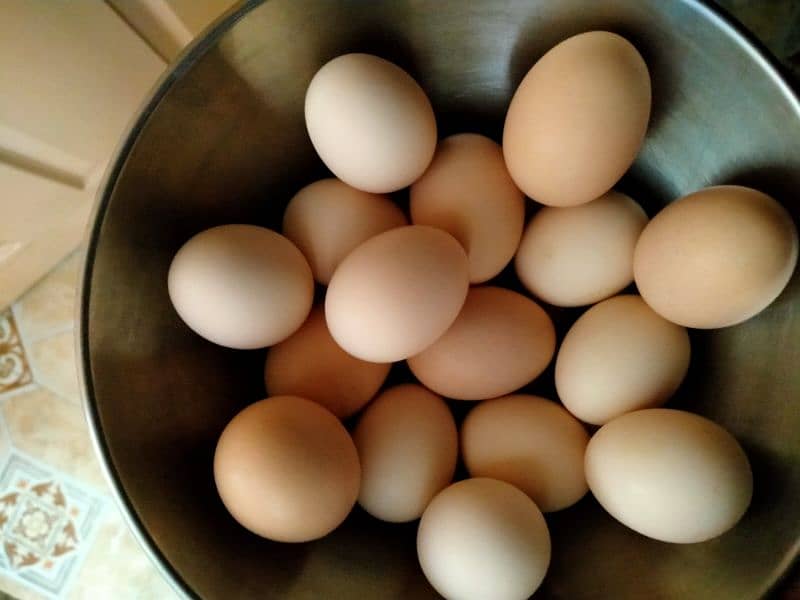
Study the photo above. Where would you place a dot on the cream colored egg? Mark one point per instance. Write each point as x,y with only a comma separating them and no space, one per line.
287,470
328,218
468,192
578,119
670,475
582,254
531,443
408,446
716,257
620,356
499,342
397,293
370,123
311,364
241,286
482,538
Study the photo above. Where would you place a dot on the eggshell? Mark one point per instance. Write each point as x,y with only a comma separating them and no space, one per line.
620,356
370,123
408,446
287,470
397,293
581,254
241,286
670,475
311,364
327,219
531,443
499,342
716,257
578,119
468,192
482,538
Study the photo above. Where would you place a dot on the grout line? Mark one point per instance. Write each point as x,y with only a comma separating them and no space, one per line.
18,391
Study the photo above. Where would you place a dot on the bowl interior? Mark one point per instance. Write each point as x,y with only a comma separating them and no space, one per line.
223,140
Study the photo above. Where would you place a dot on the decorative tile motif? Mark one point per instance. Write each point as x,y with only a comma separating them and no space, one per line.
15,371
46,525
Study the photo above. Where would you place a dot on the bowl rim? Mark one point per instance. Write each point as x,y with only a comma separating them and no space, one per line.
190,55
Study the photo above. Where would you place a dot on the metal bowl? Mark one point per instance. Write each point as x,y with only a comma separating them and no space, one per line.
222,140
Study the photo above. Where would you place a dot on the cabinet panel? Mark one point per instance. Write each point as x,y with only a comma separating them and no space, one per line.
72,74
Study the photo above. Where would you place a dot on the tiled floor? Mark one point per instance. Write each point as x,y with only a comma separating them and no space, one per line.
61,535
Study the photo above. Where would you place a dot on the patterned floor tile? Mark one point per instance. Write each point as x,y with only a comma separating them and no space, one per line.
15,372
54,431
47,525
52,361
49,306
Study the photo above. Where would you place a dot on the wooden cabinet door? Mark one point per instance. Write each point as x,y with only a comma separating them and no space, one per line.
72,74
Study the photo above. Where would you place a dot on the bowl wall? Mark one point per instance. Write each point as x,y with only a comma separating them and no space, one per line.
223,140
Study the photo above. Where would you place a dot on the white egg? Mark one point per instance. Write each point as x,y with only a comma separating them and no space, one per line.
370,123
482,539
241,286
670,475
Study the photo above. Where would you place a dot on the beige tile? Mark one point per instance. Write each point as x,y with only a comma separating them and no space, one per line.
116,567
53,363
49,306
53,431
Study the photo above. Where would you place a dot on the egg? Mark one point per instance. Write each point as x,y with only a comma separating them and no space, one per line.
716,257
578,119
312,365
499,342
531,443
582,254
620,356
482,538
407,443
397,293
287,470
241,286
328,218
370,122
468,192
670,475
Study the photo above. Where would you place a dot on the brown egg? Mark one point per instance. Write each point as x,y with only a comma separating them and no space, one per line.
716,257
620,356
500,341
578,119
328,218
396,293
408,446
581,254
311,364
370,123
531,443
287,470
241,286
468,192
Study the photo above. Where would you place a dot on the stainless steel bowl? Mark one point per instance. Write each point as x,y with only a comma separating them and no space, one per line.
222,140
